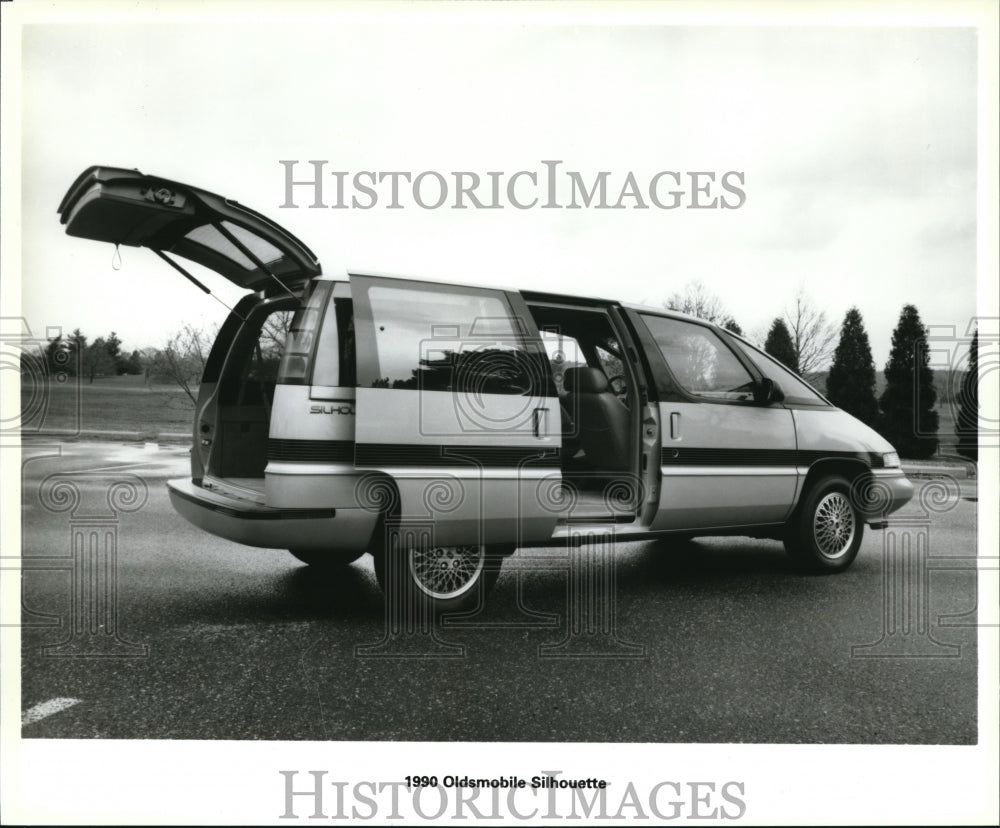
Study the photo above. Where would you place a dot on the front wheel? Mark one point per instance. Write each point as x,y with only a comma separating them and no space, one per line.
825,533
438,579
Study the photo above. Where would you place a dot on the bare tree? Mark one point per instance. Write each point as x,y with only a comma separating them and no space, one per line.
182,360
698,300
149,358
274,332
813,337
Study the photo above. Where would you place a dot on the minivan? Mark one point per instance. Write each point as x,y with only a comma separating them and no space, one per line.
440,427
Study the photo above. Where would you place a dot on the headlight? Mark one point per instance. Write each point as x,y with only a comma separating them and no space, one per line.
890,460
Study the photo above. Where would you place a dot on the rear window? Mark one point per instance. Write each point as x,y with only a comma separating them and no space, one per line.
209,236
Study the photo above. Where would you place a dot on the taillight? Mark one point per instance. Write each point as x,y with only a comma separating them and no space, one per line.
297,356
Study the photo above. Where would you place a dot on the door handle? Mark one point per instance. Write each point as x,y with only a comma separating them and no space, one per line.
675,425
538,416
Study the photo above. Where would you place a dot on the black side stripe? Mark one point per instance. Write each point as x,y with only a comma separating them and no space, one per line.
760,457
491,457
401,454
242,513
327,451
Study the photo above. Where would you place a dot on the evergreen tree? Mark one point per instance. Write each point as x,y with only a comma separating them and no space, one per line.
732,325
851,382
779,345
54,354
967,421
96,361
77,347
133,365
908,419
77,341
113,345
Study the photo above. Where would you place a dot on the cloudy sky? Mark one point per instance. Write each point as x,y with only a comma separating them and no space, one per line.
857,148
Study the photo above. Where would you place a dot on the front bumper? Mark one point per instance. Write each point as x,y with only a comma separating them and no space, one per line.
253,524
887,491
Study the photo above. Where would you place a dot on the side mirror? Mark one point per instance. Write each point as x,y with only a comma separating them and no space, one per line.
767,391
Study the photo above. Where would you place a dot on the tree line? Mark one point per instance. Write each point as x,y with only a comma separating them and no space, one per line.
179,362
905,413
75,356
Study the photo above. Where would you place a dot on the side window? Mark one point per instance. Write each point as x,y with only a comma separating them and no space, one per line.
335,349
433,338
611,363
699,360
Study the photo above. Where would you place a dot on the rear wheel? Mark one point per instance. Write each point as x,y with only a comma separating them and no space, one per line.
325,558
437,579
825,533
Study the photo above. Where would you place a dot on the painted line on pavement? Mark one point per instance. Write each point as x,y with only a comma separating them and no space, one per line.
41,711
115,468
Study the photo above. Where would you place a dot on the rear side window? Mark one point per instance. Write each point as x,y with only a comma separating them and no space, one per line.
433,338
700,361
334,361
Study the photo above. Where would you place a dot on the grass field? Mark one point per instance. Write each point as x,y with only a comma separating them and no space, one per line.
127,404
109,403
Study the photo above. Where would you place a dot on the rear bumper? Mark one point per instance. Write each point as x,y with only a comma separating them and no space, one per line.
253,524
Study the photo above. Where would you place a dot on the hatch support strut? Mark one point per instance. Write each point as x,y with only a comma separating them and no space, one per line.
191,279
246,251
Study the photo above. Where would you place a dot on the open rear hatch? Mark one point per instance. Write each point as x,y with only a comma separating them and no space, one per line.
121,206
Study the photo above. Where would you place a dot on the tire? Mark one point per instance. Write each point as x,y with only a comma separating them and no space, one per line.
825,532
325,558
435,580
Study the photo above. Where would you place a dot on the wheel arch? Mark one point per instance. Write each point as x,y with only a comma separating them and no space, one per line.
377,491
851,470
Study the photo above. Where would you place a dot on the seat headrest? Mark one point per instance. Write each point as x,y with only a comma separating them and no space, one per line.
585,381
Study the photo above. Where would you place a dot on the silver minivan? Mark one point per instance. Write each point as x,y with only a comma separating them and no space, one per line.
440,427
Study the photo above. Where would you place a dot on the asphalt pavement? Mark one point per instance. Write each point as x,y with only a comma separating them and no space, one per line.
189,636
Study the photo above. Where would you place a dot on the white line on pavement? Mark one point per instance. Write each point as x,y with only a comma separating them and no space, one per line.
115,468
40,711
